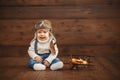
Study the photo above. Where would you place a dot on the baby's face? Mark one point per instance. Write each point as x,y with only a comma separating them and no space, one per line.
43,34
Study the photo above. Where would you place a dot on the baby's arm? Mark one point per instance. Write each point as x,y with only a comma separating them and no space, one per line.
31,50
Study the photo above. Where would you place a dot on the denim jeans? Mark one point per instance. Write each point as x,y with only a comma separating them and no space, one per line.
44,56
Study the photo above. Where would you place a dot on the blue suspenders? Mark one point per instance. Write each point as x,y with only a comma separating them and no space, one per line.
35,46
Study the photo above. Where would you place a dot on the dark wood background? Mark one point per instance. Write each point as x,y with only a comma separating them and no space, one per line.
80,26
86,27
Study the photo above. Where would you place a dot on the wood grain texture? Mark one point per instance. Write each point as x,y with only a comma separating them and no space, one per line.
60,12
57,2
90,27
22,51
18,70
67,31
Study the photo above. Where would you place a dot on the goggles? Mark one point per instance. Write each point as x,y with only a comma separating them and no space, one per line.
42,24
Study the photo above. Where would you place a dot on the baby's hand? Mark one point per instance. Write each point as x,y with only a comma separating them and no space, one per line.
38,58
46,63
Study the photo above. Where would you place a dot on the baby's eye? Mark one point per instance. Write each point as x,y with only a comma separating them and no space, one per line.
39,32
45,31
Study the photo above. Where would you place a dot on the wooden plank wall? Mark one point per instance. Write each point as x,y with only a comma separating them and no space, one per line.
80,26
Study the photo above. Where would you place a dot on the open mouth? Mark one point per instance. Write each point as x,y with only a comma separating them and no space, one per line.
42,38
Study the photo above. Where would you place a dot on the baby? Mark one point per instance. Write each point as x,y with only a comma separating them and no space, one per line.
43,48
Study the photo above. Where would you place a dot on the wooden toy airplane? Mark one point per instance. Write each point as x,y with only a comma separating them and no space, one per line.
78,61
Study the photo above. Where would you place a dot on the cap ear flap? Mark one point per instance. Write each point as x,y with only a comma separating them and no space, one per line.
52,48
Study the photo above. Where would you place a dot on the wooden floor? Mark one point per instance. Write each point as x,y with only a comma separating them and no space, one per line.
105,68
